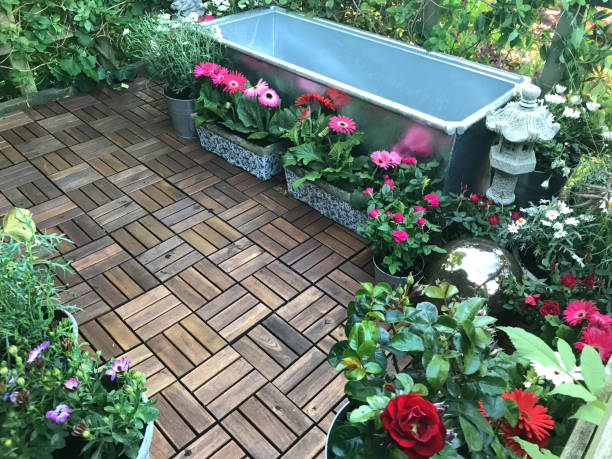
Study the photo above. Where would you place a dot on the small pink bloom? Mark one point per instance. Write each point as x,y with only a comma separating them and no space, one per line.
72,384
420,221
373,213
342,124
419,209
390,183
257,90
410,160
269,98
233,82
400,236
398,217
432,200
388,212
206,17
369,191
531,300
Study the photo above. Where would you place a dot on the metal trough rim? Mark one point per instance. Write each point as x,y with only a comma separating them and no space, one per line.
450,127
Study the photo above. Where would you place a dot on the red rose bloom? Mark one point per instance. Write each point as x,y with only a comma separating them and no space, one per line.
493,220
550,307
515,215
531,300
414,424
569,280
474,198
588,281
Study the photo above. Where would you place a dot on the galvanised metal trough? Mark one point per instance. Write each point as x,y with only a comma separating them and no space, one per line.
419,103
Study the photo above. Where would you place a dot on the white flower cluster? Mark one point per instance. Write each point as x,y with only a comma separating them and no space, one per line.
551,215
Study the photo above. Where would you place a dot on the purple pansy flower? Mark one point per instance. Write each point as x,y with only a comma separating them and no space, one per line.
72,384
10,397
59,414
118,366
37,351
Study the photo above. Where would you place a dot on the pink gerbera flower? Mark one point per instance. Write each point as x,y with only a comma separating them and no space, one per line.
257,90
206,69
395,159
598,339
381,158
342,124
600,321
233,82
269,98
579,310
219,76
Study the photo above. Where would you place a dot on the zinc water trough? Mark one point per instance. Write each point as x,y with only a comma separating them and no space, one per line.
420,103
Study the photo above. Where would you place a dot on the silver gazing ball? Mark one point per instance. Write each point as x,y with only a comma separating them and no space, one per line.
476,267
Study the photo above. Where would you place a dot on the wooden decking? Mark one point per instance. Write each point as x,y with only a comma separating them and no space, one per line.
223,290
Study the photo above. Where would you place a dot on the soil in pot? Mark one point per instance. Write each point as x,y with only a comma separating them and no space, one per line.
395,280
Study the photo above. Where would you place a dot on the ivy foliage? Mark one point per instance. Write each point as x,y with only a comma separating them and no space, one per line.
65,42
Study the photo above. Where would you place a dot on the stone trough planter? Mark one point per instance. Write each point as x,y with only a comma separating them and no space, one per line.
326,199
262,162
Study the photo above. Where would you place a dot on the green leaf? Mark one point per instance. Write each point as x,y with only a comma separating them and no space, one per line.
311,176
467,310
512,412
345,440
306,153
494,407
493,385
592,369
335,354
405,380
258,135
366,349
567,355
574,390
407,342
531,347
442,291
361,414
592,412
472,436
437,371
378,402
533,451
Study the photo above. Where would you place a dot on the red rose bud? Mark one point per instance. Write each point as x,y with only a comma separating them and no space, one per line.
474,198
464,188
587,257
588,281
390,387
569,280
531,300
493,220
550,307
553,266
515,215
414,424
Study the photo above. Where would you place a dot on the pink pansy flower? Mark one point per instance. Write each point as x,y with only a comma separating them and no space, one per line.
60,414
373,213
118,366
420,221
419,209
398,217
269,98
432,199
390,183
399,236
72,384
257,90
342,124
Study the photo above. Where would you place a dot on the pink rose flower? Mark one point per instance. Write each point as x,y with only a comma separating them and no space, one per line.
373,213
420,221
400,236
368,191
398,217
419,209
410,160
432,199
390,183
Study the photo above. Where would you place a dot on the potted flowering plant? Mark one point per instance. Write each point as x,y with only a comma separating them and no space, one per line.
459,395
399,234
581,134
171,46
239,121
547,233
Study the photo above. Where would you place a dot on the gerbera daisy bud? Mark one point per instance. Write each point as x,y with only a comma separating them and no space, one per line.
67,344
324,132
23,396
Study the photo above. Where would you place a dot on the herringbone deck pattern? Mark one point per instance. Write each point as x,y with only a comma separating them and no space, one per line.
223,290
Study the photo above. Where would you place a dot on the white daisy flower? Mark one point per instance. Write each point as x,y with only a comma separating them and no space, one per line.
218,34
606,205
513,228
552,214
575,100
571,113
558,226
125,31
559,234
559,89
165,16
546,223
592,106
572,221
554,98
543,206
555,375
192,17
520,222
564,208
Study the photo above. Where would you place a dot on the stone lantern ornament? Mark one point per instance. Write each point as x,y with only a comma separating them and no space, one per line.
519,125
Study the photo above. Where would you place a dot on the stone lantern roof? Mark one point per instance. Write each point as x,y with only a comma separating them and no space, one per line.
525,120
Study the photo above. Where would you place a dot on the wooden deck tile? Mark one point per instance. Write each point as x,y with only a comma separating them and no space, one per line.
226,292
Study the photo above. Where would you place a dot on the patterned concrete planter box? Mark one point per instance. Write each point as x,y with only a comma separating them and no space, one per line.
327,199
262,162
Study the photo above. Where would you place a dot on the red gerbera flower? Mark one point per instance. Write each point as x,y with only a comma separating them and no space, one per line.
304,114
579,310
233,82
314,97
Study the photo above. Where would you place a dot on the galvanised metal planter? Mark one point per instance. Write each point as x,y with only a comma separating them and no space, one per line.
404,98
261,161
326,199
180,112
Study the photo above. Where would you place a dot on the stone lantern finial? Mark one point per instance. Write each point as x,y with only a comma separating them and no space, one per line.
519,125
